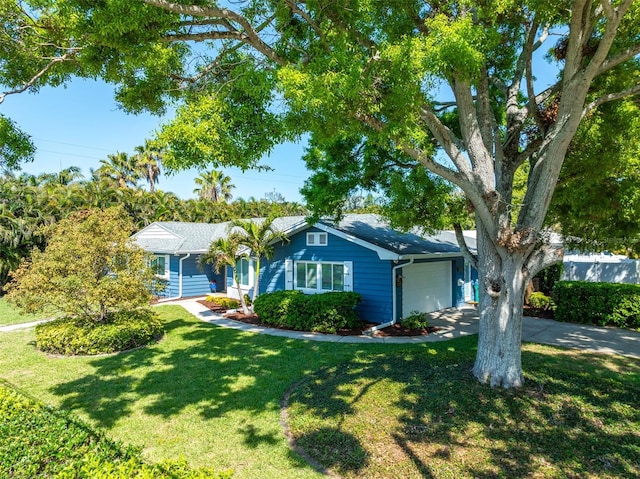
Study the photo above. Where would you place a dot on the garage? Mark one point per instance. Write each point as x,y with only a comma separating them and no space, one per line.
426,287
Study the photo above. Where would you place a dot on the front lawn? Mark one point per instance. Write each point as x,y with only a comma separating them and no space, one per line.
11,315
213,396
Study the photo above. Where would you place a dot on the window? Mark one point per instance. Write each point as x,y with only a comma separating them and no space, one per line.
319,277
242,270
317,239
160,264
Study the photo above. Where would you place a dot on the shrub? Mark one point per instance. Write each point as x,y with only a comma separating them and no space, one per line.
121,331
541,301
415,320
37,441
601,304
226,303
89,268
324,313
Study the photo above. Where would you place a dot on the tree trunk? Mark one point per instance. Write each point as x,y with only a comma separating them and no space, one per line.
243,303
502,286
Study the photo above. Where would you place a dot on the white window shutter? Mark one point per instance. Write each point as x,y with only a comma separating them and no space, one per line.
288,274
348,275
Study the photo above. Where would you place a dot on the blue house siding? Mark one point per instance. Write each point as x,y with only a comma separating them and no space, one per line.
194,281
371,276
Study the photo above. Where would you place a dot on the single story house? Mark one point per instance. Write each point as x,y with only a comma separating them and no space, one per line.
395,272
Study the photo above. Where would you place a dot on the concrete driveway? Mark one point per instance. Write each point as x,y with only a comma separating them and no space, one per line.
461,322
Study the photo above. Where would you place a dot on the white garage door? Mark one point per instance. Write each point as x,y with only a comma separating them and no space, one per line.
426,287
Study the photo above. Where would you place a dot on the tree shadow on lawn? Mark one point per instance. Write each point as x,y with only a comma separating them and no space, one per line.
418,415
216,370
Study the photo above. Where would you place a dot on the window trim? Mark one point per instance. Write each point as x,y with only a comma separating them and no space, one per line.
316,238
167,263
249,282
319,264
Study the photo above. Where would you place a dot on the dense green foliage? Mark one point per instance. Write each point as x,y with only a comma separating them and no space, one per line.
89,269
15,145
597,202
324,313
120,331
602,304
27,203
38,441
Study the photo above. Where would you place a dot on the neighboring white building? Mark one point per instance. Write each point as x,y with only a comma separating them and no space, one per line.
601,268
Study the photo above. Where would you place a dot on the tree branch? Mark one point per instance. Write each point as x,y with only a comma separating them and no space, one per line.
541,257
37,76
634,90
201,37
480,157
622,57
464,248
448,140
250,36
295,9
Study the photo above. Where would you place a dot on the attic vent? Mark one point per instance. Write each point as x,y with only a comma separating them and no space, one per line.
316,239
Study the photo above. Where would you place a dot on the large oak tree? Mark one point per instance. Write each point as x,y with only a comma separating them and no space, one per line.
250,74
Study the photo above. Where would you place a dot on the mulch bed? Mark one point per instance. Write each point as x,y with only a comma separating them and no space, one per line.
396,330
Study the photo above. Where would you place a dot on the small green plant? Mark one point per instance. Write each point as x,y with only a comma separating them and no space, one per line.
228,303
539,300
415,320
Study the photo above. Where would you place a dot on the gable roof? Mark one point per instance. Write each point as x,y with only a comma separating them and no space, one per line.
390,243
367,230
179,237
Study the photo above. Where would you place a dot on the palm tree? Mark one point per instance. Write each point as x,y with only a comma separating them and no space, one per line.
214,185
224,252
148,158
259,237
119,168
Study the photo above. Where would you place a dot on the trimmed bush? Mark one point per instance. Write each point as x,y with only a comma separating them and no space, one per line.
122,331
325,313
226,303
37,441
602,304
415,320
541,301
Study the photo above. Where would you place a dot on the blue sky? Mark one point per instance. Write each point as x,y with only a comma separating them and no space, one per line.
81,124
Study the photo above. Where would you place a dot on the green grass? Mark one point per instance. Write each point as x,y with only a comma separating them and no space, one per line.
208,394
213,396
390,416
11,315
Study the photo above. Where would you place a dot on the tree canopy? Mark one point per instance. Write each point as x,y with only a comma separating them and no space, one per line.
447,89
89,269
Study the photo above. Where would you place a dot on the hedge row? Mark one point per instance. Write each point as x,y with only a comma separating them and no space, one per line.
37,441
325,313
601,304
124,330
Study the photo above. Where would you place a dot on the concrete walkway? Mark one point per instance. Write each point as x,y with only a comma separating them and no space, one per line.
453,323
15,327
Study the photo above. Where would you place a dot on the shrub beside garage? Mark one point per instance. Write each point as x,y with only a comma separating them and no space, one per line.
600,304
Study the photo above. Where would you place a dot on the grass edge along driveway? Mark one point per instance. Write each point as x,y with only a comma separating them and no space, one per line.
212,396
